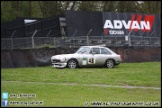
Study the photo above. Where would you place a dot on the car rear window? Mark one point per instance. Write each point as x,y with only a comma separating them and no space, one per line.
105,51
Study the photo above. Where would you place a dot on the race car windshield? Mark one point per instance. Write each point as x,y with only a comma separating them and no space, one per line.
83,50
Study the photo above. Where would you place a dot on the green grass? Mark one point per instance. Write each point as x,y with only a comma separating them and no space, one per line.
146,74
45,45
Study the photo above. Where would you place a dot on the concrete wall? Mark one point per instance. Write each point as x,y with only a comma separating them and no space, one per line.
41,57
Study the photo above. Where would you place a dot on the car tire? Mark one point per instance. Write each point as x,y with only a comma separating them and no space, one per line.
117,64
72,64
110,63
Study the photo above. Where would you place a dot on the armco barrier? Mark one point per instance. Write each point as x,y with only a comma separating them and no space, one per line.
41,57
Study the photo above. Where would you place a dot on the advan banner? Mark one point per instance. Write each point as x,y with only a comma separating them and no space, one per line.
112,24
121,24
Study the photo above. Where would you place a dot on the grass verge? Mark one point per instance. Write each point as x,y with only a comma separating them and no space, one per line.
147,74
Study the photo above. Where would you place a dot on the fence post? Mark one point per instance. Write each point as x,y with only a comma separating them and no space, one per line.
102,36
141,41
115,41
88,37
54,41
129,38
12,40
150,38
33,38
73,36
150,41
49,33
11,43
32,42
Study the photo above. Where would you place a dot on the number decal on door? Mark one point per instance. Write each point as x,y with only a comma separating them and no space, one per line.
91,60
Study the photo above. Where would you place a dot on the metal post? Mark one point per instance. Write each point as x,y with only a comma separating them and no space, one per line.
73,36
129,39
54,41
49,33
12,40
33,38
88,37
11,43
141,41
115,41
152,33
142,33
47,37
150,41
102,36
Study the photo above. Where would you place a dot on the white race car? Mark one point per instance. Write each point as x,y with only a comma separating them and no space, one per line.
87,56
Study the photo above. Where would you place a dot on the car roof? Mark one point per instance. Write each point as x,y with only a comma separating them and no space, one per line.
94,46
100,47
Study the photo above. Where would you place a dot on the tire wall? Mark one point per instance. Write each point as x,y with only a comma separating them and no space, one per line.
41,57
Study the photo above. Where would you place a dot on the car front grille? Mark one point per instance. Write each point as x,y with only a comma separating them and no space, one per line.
55,61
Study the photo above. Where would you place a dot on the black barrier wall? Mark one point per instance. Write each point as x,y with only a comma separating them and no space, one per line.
118,24
80,23
41,57
47,27
83,21
113,24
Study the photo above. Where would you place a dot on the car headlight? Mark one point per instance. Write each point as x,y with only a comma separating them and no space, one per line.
62,59
52,58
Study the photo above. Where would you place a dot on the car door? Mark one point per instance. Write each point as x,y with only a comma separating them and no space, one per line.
105,54
95,58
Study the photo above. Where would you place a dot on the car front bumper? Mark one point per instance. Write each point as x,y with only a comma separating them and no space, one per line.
59,65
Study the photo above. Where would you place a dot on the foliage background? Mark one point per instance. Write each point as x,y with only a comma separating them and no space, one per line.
10,10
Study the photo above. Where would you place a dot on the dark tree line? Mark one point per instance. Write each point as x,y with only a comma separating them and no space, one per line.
44,9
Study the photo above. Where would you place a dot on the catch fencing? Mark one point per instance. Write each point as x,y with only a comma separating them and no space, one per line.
77,41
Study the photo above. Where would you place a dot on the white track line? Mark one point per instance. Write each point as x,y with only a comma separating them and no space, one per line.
97,85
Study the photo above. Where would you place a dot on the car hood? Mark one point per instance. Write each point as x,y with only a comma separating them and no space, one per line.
63,56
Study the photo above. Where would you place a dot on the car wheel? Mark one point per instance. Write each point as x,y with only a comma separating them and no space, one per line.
109,63
72,64
117,64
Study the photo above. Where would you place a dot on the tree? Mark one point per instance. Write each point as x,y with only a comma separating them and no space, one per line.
150,7
10,10
109,6
87,6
